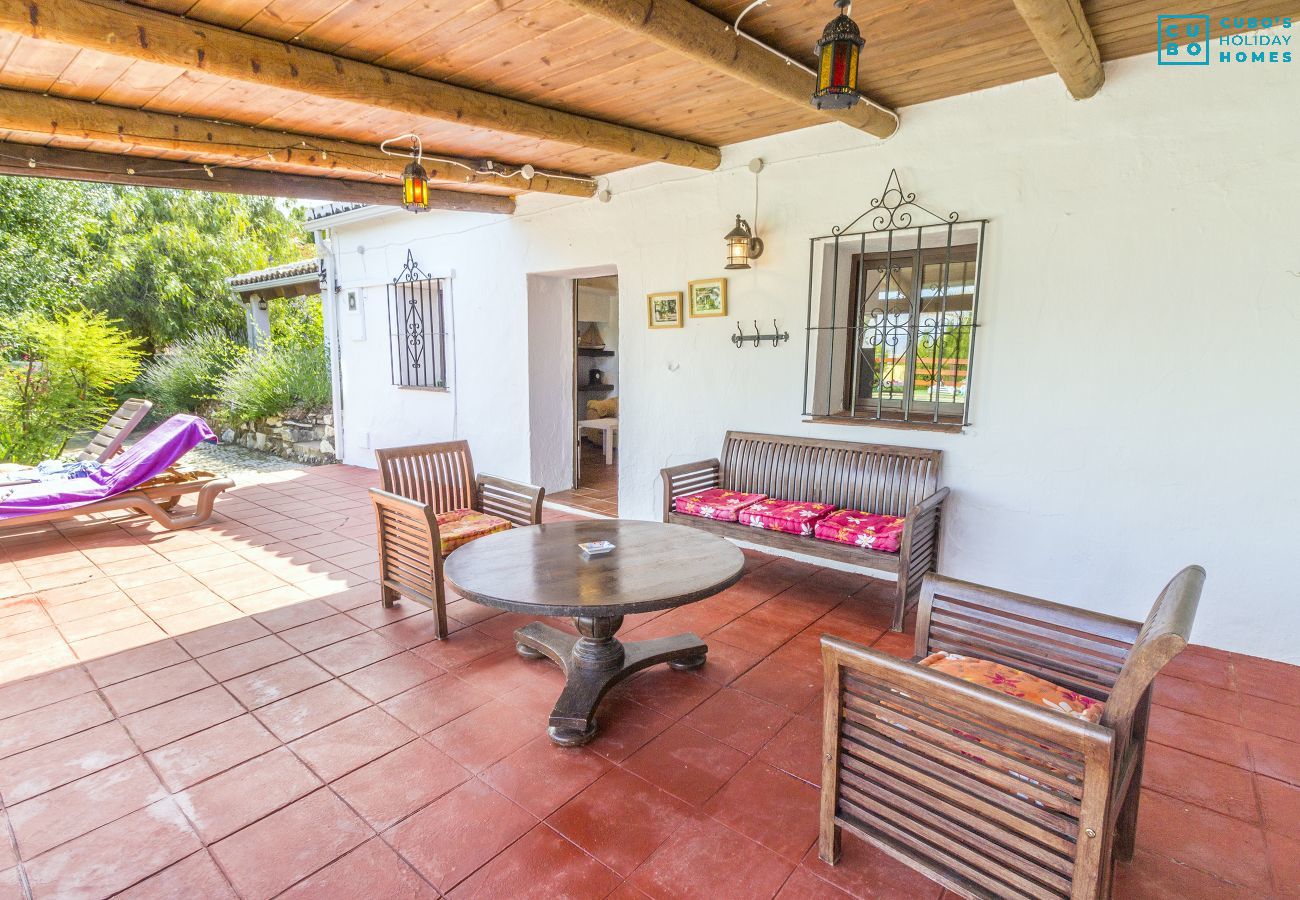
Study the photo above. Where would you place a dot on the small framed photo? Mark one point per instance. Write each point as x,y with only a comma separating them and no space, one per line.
665,309
708,297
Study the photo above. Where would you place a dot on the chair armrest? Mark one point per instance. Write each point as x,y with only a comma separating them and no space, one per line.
513,501
1076,648
689,478
896,732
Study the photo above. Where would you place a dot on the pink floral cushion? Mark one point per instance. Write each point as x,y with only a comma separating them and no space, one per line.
715,503
790,516
1016,683
458,527
850,526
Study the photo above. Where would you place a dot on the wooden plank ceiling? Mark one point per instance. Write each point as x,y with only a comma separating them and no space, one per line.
549,53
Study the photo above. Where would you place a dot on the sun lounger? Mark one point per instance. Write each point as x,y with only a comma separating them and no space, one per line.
143,478
104,445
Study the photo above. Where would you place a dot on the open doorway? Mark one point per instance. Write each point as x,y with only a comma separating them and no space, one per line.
596,384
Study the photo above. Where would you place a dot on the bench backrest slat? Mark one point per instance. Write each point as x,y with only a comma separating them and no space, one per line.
876,478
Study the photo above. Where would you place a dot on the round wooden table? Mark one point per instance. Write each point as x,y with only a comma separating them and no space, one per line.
539,570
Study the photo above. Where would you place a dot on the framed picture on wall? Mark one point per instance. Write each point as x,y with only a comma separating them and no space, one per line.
708,297
665,309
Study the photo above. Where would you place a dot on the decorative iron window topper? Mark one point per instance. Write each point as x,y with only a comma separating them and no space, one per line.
417,352
892,315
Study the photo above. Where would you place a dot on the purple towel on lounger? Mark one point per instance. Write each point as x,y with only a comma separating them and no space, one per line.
148,457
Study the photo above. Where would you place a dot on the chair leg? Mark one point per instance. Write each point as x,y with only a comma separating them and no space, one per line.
388,596
900,608
440,608
1126,821
828,845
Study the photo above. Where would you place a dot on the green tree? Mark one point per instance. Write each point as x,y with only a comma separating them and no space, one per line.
57,374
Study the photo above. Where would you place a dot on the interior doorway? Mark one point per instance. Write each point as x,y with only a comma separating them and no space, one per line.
596,382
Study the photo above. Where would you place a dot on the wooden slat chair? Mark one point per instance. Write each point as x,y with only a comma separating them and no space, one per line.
988,794
422,483
116,430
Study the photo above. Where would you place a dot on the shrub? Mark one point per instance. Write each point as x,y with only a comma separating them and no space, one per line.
189,374
275,381
57,374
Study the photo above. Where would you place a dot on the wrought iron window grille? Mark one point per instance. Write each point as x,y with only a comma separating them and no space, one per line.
417,338
892,314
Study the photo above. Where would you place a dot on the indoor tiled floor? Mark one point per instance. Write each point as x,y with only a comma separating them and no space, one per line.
597,491
229,711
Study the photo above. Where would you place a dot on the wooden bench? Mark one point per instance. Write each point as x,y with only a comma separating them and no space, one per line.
875,478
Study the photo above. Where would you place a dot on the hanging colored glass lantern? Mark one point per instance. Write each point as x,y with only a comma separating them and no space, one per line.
415,187
742,245
837,61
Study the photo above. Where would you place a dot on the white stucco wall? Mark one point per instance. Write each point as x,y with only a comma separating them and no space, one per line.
1135,369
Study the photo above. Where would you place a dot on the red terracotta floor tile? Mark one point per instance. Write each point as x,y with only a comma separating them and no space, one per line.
452,837
725,663
668,691
435,703
95,864
1199,699
156,687
803,885
29,694
199,756
1204,782
1267,678
1216,844
50,723
322,632
70,811
705,858
1214,669
35,771
129,664
350,743
240,796
354,653
686,763
392,787
390,677
219,637
194,876
1280,803
460,648
1153,877
787,686
175,719
768,806
372,870
796,750
1200,736
625,726
287,846
293,616
316,707
738,719
485,734
376,615
1274,757
867,873
420,631
276,681
541,776
1270,717
1284,858
540,864
248,657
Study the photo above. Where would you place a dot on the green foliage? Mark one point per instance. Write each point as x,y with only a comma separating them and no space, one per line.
297,322
155,259
188,375
276,380
59,371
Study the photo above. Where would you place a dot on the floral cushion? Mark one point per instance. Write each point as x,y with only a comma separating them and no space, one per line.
1016,683
850,526
715,503
460,526
790,516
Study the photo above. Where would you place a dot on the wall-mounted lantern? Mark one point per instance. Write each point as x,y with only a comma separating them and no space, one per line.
742,245
415,187
837,61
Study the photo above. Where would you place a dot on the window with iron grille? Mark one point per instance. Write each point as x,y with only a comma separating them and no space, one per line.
892,316
418,351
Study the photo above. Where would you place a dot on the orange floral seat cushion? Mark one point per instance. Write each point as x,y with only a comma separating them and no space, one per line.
715,503
789,516
860,529
460,526
1015,683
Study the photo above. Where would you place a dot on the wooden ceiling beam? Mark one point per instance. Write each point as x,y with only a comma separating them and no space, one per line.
1061,29
39,114
134,32
684,28
111,168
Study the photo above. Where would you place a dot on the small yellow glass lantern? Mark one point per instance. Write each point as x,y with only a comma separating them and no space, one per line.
837,62
742,245
415,188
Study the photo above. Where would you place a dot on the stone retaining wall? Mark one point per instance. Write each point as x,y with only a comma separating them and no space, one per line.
304,437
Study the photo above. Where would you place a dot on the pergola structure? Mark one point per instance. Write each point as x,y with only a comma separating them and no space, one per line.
255,290
293,98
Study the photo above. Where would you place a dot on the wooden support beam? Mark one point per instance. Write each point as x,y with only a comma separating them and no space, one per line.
38,114
110,168
134,32
1061,29
684,28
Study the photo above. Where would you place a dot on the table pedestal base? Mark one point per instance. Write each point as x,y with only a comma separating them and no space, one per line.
593,662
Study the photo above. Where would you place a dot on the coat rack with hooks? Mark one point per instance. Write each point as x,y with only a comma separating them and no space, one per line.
776,337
